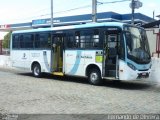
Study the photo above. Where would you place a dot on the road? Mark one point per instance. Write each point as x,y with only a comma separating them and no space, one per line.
20,93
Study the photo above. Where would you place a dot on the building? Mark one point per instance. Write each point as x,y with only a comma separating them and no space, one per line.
158,16
153,33
140,19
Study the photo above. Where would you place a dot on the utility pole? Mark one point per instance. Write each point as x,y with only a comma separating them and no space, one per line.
51,13
94,10
135,4
133,7
153,15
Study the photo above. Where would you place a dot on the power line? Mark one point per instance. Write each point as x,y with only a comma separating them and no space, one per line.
87,6
118,1
73,9
47,14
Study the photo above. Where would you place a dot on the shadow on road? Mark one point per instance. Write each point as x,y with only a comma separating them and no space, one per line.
128,85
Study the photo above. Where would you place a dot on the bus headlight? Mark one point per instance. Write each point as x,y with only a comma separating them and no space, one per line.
131,66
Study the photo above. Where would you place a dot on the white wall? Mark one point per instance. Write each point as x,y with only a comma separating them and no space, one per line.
5,61
155,71
152,40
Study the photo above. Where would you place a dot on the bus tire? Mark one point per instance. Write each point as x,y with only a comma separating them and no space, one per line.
36,70
94,77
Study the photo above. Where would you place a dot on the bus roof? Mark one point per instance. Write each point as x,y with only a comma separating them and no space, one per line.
88,25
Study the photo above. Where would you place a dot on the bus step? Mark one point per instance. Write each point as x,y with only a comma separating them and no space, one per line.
112,73
58,73
110,78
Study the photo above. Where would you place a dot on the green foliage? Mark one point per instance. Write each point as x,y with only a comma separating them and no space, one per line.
6,41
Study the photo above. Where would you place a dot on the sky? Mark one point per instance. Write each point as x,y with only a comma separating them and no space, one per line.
19,11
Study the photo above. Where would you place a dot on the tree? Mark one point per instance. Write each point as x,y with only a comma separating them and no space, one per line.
6,41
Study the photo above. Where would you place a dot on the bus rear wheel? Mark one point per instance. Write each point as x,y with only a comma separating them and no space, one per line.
94,77
36,70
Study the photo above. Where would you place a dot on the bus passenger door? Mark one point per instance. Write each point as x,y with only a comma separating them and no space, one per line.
57,54
111,54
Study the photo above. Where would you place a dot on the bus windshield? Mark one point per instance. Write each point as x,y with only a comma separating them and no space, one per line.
137,45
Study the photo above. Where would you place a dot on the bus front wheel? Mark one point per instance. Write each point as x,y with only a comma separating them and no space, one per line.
36,70
94,77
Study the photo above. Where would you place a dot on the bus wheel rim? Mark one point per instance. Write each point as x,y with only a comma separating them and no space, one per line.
94,77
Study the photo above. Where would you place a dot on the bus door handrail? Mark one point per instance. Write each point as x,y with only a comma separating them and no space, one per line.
117,67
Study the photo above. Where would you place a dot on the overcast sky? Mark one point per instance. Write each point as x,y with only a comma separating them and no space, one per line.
16,11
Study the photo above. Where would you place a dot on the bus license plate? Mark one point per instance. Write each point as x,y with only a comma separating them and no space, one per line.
144,74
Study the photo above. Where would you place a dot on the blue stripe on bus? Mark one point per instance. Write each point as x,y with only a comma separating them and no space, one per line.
76,64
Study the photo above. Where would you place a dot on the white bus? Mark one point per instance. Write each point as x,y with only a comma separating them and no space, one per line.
98,51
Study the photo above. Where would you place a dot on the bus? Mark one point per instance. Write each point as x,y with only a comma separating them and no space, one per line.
98,51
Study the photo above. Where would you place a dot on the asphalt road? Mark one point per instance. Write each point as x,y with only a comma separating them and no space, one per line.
20,93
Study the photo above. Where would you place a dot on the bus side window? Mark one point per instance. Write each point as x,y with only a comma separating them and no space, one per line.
37,42
70,42
85,39
89,39
22,44
42,40
16,42
28,40
96,39
49,40
77,39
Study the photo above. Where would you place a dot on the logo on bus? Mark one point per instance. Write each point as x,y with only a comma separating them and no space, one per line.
24,56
